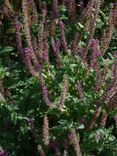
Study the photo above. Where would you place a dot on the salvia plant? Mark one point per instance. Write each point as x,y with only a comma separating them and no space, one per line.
61,98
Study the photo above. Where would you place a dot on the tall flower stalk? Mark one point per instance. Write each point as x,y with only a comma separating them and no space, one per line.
3,152
55,146
34,11
55,8
93,15
98,79
63,37
115,119
95,117
27,60
33,128
74,140
79,88
66,147
56,49
40,150
8,5
114,72
27,31
95,52
46,49
112,104
74,45
107,35
46,130
104,119
63,92
71,9
18,35
43,86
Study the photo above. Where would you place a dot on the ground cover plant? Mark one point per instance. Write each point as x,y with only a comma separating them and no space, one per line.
58,78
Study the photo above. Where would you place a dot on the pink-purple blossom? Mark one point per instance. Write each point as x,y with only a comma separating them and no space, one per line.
79,89
63,37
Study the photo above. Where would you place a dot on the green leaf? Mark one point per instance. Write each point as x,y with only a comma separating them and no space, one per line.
6,50
81,127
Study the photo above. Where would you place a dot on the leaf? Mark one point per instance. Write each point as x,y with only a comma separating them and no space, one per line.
81,126
79,26
14,118
44,75
6,50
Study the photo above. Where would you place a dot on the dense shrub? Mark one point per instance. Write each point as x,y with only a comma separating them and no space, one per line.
58,86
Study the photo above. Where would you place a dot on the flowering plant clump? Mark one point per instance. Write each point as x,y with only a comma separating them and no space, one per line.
59,90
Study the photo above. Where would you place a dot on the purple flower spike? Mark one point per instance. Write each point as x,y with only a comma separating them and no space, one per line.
66,144
55,8
114,73
64,42
45,55
115,54
55,146
18,36
27,60
74,44
95,52
56,49
34,131
45,95
3,152
62,25
71,9
39,67
26,53
80,52
115,119
26,50
93,42
70,136
79,88
57,44
44,89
